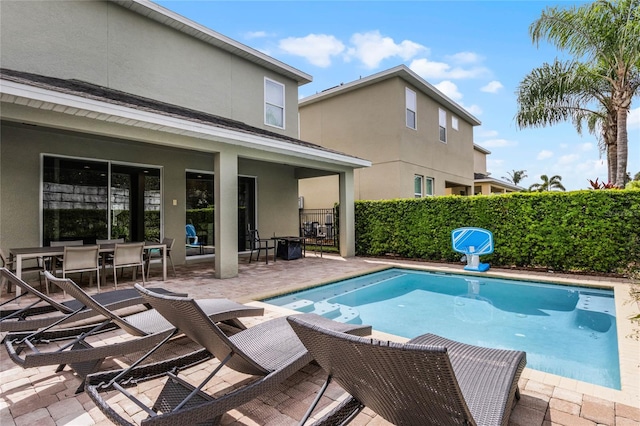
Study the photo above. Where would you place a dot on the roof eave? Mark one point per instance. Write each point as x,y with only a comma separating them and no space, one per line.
403,72
36,97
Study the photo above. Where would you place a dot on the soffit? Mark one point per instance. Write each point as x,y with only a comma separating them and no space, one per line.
98,103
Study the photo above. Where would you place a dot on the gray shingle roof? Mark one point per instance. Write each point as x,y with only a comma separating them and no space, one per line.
116,97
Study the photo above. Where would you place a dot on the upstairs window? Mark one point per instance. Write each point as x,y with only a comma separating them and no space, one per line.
410,100
442,121
454,122
417,186
273,103
428,186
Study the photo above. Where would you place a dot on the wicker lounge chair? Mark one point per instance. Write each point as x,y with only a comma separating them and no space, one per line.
269,351
70,345
429,380
42,311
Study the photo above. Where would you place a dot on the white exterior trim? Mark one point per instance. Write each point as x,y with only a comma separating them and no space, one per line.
35,97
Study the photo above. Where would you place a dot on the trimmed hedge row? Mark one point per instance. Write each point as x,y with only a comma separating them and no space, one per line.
594,231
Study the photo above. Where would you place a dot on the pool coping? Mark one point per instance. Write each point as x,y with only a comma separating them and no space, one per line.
628,348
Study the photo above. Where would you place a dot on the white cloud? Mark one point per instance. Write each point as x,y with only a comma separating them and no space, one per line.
439,70
544,154
256,34
473,109
449,89
492,87
568,159
498,143
316,48
371,48
464,58
588,146
633,120
487,133
564,145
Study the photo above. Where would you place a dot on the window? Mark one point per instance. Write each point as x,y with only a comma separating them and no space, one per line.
454,122
273,103
442,121
92,199
410,100
428,183
417,186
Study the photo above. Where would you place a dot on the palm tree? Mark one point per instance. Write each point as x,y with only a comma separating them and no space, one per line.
548,184
568,91
605,35
515,176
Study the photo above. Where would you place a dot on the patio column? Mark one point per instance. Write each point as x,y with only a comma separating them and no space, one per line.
347,218
226,214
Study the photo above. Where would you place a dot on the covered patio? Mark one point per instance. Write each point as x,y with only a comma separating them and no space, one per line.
41,396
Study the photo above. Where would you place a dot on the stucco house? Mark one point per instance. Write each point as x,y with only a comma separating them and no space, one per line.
484,183
419,141
118,117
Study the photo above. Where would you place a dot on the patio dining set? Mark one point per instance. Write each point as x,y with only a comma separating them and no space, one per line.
73,256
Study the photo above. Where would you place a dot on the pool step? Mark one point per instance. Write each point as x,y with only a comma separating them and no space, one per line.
349,315
327,310
302,305
596,303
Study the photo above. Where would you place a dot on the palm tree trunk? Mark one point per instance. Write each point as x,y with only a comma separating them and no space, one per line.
622,151
610,136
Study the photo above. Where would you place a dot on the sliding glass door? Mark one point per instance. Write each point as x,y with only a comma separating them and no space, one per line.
200,211
90,199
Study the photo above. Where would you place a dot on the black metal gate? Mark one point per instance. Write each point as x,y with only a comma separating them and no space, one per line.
319,224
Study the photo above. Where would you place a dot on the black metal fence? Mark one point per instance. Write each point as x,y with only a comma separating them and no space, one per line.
318,224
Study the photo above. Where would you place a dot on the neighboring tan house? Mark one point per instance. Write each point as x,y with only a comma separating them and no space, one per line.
483,183
118,114
419,141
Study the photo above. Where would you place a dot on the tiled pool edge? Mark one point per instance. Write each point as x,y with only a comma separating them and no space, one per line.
628,348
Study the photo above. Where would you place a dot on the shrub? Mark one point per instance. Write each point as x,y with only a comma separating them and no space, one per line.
594,231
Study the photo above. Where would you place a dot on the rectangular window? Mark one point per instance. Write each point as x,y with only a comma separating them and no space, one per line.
410,100
428,183
454,123
442,121
273,103
92,199
417,186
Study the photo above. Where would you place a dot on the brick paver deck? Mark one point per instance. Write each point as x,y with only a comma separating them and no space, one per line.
39,396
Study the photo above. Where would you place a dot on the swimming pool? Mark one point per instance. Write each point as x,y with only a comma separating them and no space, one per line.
565,330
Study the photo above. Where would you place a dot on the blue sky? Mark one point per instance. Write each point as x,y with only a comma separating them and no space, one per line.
475,52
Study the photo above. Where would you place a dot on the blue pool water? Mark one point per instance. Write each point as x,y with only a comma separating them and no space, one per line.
565,330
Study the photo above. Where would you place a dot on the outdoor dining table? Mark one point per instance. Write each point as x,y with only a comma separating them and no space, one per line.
24,253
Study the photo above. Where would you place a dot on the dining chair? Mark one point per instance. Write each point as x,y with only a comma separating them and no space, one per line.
106,259
128,255
81,259
52,263
10,265
154,253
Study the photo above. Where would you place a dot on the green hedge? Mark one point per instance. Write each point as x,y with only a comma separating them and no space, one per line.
594,231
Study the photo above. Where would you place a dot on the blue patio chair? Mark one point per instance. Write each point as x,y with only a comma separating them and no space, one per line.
192,238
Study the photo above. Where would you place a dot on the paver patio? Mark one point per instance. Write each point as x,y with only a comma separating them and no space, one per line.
41,396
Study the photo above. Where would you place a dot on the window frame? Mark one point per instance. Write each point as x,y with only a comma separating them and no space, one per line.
421,193
426,187
411,107
442,125
268,102
454,122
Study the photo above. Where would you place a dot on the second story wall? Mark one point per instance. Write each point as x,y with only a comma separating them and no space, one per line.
109,45
370,121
